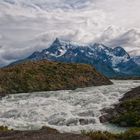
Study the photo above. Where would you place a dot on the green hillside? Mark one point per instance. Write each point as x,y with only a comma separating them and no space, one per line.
48,76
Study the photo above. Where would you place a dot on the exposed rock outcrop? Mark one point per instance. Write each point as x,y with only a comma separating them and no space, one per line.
45,133
127,112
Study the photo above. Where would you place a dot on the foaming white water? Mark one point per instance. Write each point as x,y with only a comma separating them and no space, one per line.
67,111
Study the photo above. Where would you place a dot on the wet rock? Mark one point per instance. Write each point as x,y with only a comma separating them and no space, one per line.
57,119
86,121
72,122
49,130
134,93
45,133
57,122
105,118
83,121
107,114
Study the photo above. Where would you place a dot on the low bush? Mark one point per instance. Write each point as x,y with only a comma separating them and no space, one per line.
131,134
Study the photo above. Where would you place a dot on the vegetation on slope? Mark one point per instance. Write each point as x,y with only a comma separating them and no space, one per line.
51,134
127,112
132,134
4,129
47,76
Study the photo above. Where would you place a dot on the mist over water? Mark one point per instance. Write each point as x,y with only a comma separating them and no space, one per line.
67,111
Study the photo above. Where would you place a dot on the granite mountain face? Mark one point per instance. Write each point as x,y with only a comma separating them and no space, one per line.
112,62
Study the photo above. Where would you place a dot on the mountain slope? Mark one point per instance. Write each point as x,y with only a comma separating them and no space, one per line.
48,76
108,61
136,59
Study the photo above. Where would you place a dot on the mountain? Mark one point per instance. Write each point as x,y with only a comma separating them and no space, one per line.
136,59
129,39
111,62
48,76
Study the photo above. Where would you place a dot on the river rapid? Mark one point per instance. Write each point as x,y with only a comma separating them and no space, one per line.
67,110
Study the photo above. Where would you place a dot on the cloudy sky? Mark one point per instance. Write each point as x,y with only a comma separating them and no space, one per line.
30,25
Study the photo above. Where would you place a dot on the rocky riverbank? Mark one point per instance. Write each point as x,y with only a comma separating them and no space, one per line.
127,112
44,134
47,133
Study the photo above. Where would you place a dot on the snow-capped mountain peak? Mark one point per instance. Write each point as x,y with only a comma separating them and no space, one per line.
111,62
119,51
59,47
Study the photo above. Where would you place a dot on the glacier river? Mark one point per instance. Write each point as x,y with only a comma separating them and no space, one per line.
67,111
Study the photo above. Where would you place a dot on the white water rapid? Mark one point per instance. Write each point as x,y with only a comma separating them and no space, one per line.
67,111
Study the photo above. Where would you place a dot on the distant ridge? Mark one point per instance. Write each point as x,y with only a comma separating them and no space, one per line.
110,62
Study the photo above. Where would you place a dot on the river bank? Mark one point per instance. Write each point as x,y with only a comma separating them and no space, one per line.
127,112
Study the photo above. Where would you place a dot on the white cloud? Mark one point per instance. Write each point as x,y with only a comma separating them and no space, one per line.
28,25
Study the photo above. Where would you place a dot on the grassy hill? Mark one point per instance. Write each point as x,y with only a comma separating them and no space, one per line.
47,76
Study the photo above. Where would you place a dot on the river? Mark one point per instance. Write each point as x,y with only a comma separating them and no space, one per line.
67,111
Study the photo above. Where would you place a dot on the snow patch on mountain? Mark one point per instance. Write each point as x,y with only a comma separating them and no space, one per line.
136,59
130,40
109,61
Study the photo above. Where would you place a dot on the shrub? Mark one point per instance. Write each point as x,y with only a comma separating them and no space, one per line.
129,114
131,134
4,128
